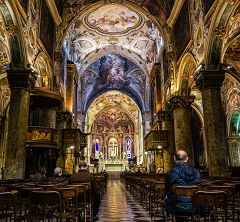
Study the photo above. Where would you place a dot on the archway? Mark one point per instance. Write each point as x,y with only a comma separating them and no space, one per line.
114,122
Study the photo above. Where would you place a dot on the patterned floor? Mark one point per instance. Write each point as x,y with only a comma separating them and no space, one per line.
117,205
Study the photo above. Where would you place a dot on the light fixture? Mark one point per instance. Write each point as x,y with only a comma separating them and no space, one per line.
71,147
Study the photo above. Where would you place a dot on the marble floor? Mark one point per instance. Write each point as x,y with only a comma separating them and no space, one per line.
117,205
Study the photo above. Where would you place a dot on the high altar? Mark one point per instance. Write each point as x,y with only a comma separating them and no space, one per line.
113,165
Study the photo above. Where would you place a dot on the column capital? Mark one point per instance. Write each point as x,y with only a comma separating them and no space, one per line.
178,101
165,115
206,79
21,78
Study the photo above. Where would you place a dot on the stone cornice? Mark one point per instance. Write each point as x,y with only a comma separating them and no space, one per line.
54,12
206,79
178,101
175,12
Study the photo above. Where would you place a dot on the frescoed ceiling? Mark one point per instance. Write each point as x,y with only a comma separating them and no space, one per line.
161,9
118,27
113,100
112,72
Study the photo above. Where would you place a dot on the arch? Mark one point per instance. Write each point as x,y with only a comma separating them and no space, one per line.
187,67
108,99
117,100
112,50
217,30
134,96
44,71
16,37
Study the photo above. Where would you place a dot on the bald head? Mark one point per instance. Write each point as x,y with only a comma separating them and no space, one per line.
180,156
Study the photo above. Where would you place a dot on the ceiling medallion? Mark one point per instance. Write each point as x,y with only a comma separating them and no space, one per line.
113,19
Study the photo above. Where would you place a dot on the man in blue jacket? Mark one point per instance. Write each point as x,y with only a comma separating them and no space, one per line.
182,174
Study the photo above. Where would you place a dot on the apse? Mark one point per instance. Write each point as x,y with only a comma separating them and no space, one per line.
114,123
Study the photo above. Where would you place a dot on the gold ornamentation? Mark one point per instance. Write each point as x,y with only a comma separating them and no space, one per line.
233,50
11,29
181,101
231,2
38,135
3,58
219,31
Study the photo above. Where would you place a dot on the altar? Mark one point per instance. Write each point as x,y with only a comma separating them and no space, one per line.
109,165
114,167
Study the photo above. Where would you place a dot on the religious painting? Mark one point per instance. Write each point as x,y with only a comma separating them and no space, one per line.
113,72
113,18
181,29
184,87
47,29
24,4
207,4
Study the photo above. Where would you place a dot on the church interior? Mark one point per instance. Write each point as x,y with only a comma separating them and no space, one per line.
120,85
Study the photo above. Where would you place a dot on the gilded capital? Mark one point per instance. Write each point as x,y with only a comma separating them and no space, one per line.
209,79
21,79
181,101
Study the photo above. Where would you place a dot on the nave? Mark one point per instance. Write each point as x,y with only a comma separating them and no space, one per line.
118,204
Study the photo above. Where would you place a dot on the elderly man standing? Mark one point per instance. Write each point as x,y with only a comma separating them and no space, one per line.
184,175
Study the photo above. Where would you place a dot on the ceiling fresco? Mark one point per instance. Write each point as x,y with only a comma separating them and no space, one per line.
113,100
159,8
115,26
112,18
112,72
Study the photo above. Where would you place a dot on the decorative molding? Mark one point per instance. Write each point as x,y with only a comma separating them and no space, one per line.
206,79
178,101
231,2
219,31
54,12
175,12
11,29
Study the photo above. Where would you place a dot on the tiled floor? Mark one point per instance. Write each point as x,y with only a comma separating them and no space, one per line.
117,205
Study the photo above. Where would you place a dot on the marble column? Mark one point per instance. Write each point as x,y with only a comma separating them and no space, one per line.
182,124
209,83
166,118
20,81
